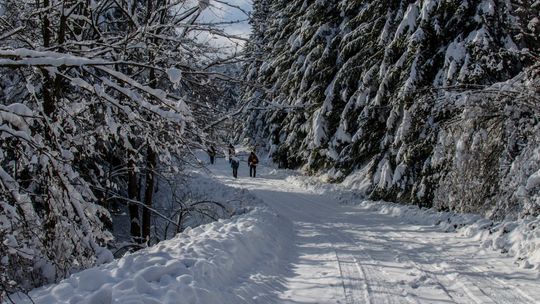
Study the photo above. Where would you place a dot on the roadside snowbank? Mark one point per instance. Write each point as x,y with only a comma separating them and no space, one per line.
520,239
213,263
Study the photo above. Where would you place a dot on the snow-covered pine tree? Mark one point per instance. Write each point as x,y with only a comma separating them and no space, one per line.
383,89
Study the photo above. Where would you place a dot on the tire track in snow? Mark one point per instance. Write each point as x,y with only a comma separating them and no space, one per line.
471,294
354,281
468,291
444,281
353,287
375,289
350,296
507,286
381,291
495,291
356,287
483,289
475,291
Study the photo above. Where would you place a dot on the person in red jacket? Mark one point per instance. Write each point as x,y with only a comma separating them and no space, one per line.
253,160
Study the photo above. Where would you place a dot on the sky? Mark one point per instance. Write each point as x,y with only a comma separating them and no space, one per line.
219,12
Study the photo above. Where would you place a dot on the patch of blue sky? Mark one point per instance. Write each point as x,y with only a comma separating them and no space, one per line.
232,16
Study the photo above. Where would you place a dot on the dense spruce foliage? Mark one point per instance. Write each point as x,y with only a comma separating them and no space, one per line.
431,102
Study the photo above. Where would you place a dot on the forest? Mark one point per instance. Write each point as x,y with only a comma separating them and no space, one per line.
106,105
99,100
432,103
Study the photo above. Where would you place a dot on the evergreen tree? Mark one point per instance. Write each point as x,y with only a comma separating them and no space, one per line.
381,88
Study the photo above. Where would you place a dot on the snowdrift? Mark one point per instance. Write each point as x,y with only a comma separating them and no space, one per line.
208,264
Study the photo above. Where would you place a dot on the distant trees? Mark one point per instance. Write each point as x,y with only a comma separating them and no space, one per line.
94,95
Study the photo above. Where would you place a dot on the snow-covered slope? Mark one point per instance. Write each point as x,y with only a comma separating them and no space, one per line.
428,101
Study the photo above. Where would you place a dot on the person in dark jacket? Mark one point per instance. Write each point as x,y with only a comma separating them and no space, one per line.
212,153
253,161
235,163
232,153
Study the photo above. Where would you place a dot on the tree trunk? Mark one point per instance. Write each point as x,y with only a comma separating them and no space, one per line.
133,191
149,192
48,92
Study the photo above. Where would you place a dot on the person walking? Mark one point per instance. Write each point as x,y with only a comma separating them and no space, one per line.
212,153
235,163
253,160
232,152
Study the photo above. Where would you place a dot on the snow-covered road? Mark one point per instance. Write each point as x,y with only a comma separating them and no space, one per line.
314,250
349,254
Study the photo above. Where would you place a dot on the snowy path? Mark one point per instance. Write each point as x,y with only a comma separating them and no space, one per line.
348,254
313,251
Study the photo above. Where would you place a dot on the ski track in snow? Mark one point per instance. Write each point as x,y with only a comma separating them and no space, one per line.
348,254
